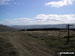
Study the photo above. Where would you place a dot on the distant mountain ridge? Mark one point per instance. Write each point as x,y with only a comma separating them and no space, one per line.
6,28
42,26
34,27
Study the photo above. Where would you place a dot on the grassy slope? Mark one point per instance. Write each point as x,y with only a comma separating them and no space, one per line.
56,40
39,43
6,48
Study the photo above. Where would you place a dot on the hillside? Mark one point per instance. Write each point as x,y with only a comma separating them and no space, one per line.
6,28
38,43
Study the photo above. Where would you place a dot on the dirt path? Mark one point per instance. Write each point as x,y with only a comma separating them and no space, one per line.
26,48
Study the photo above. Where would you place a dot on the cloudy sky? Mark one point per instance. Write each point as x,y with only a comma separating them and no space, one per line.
34,12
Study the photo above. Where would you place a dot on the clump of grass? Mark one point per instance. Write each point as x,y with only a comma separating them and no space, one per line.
6,48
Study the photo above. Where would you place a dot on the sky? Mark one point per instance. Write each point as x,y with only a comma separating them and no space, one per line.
37,12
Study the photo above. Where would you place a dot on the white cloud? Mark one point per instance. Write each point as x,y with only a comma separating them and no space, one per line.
42,19
17,21
5,2
56,19
60,3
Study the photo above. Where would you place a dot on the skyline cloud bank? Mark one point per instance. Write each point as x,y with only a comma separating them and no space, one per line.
42,19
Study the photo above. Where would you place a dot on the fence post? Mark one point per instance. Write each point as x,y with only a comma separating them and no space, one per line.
68,37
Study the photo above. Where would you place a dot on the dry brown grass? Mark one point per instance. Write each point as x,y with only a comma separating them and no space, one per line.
36,43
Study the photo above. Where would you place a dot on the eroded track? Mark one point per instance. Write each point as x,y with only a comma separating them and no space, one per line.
27,47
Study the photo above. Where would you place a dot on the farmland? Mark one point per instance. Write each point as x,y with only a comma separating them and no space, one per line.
35,43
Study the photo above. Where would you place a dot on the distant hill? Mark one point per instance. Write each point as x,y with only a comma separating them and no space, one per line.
59,26
6,28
